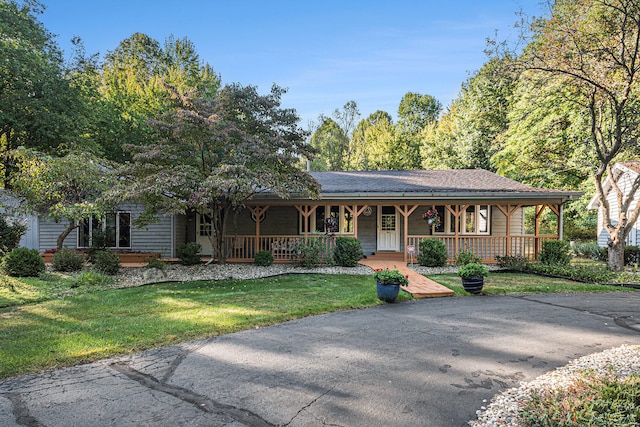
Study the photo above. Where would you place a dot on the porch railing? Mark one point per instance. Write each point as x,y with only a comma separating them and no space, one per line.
488,247
284,248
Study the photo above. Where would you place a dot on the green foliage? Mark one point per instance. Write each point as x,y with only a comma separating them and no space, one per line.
472,269
331,144
264,258
433,253
348,252
155,262
106,262
10,234
591,400
519,263
23,262
390,277
68,260
555,252
189,253
631,255
309,253
93,278
467,256
589,250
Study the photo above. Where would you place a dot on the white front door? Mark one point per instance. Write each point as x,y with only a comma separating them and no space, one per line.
388,229
203,228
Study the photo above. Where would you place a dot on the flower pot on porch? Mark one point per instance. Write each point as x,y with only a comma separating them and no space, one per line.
387,292
473,284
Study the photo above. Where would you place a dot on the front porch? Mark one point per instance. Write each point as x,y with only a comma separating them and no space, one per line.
487,229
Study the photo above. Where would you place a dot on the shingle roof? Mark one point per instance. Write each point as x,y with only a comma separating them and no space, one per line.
633,165
419,181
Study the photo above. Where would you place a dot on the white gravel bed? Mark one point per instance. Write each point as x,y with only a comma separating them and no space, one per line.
503,409
129,277
447,269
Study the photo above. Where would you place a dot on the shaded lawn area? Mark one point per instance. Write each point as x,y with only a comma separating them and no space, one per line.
498,283
90,326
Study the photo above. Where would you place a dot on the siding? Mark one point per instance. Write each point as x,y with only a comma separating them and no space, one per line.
624,182
156,237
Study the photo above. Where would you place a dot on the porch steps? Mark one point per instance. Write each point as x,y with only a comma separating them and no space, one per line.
419,286
386,256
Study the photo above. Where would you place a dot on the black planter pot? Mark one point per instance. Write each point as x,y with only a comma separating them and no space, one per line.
387,292
473,284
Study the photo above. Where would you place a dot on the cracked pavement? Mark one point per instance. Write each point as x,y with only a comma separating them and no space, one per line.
429,362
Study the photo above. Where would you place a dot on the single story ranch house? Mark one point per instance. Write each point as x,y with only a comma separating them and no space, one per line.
478,211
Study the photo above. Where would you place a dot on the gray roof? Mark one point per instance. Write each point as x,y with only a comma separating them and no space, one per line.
420,181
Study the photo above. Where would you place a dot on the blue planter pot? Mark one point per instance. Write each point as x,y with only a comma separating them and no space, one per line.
387,292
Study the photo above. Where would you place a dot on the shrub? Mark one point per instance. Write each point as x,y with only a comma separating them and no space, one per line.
518,263
348,252
10,234
555,252
189,253
264,258
631,254
23,262
155,262
92,278
68,260
309,253
106,262
472,269
589,250
433,253
467,257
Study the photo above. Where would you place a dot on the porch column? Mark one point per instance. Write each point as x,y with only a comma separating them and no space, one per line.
306,211
456,211
406,211
258,214
508,210
536,249
560,221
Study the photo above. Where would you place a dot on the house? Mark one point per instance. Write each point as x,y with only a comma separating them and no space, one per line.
624,174
478,211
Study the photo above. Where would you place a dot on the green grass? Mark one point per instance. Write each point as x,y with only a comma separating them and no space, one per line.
88,326
519,283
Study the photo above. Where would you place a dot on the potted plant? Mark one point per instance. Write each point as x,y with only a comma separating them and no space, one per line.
473,275
431,216
388,284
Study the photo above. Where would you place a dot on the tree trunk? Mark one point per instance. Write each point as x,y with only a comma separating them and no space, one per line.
65,233
616,254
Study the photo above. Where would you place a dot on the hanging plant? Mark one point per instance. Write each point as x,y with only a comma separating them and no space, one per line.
431,216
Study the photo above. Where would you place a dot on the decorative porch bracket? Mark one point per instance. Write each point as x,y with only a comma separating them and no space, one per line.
508,211
405,210
306,211
257,214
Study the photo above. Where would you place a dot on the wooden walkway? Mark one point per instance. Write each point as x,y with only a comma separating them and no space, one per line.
419,286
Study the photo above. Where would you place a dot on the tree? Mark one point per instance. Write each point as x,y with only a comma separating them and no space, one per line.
65,188
416,111
331,143
593,50
40,107
211,155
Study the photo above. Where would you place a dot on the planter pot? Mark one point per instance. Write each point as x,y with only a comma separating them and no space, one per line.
473,285
387,292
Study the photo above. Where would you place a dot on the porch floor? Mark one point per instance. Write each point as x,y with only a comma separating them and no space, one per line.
419,286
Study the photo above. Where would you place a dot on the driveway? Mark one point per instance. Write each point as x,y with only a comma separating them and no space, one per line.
430,362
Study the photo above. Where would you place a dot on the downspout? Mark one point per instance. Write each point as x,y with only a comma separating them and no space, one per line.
560,220
173,236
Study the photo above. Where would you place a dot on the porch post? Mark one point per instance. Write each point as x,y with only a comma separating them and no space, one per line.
257,213
510,210
560,220
405,211
456,212
306,211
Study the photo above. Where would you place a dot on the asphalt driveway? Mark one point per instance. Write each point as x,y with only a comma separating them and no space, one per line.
423,363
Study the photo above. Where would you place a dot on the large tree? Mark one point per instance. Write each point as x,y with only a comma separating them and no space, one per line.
331,143
65,189
416,111
212,155
593,50
40,107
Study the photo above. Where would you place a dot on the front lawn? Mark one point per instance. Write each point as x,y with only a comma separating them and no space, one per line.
88,326
498,283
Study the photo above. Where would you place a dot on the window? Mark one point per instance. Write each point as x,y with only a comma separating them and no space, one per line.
204,226
331,219
114,231
474,220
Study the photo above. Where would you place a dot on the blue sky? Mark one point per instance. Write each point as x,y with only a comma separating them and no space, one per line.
326,53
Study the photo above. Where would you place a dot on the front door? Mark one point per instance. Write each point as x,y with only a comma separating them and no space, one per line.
388,229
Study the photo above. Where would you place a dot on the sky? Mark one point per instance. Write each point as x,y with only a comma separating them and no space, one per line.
326,53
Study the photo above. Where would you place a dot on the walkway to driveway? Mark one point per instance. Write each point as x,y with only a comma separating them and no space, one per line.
430,362
419,286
